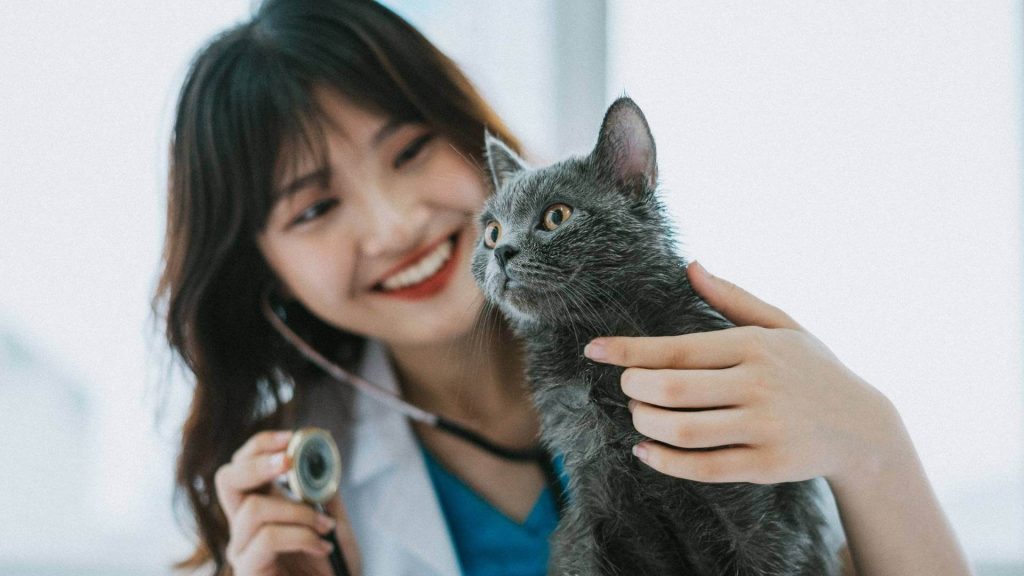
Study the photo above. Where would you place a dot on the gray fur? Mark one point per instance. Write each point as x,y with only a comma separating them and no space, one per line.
613,268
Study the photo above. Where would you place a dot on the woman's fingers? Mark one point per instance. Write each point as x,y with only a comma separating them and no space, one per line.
258,511
670,388
701,429
273,541
263,442
734,464
239,477
270,534
703,350
706,350
741,307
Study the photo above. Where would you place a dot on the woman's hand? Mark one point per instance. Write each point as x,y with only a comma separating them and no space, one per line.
779,406
271,535
773,400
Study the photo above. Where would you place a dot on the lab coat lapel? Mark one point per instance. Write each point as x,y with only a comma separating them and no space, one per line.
387,473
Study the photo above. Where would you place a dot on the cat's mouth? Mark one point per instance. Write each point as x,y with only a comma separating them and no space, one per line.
518,295
513,283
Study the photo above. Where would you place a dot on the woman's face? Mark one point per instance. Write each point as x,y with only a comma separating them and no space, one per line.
378,241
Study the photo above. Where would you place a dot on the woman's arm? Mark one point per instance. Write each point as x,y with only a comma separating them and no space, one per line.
784,408
892,519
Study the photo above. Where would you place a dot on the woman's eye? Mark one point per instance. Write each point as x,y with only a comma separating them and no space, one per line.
413,149
555,215
315,211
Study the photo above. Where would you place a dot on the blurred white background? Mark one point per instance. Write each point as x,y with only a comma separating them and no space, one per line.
858,164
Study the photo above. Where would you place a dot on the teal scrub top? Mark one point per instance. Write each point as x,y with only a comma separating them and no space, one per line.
487,542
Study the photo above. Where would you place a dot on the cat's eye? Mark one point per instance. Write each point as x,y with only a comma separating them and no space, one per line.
492,233
555,215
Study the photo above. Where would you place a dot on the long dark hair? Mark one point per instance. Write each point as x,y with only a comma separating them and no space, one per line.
248,99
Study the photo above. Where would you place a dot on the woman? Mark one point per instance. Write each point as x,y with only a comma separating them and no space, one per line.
325,157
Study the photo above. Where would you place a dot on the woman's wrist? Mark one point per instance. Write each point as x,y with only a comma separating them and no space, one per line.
888,446
893,521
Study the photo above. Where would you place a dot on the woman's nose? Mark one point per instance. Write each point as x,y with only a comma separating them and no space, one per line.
391,225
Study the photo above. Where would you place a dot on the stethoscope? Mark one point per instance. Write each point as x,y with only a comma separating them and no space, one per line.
395,402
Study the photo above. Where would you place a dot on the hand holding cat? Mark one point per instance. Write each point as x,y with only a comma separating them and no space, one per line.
772,400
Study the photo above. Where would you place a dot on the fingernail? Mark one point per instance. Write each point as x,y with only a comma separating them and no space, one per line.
595,350
631,405
283,435
640,451
277,461
325,523
326,546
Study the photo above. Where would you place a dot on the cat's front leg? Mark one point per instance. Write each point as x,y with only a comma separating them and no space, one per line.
574,548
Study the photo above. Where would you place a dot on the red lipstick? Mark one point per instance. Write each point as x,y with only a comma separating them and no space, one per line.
431,285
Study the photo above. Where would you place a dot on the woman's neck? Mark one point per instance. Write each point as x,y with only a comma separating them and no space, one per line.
473,379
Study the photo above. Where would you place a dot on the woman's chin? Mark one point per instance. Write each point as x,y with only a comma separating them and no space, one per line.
443,326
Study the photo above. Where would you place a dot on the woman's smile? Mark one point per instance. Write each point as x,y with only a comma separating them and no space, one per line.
424,273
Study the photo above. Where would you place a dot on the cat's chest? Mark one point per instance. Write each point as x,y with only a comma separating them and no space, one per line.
576,396
555,358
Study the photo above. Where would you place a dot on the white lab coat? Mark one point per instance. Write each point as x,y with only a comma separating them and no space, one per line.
386,488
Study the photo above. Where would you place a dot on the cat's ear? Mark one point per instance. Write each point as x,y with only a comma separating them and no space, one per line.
625,149
502,162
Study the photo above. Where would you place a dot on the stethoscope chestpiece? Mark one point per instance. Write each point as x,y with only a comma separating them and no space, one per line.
315,473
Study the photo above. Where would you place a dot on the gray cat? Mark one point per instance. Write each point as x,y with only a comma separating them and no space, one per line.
583,249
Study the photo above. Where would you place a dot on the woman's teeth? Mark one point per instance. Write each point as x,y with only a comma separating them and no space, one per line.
420,271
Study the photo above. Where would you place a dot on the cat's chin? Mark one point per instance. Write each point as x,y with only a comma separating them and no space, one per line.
514,303
517,316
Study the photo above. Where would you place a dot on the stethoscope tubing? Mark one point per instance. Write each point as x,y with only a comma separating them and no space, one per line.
337,557
392,400
395,402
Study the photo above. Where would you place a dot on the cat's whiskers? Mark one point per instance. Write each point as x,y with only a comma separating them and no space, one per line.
470,161
574,274
603,297
537,274
568,314
484,334
481,329
610,293
597,321
531,271
481,337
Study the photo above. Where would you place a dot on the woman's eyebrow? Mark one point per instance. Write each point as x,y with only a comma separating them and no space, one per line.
321,175
318,176
388,129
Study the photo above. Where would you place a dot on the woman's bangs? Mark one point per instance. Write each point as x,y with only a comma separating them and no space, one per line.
285,134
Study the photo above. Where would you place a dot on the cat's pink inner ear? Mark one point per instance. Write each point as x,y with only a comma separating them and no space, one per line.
627,145
638,156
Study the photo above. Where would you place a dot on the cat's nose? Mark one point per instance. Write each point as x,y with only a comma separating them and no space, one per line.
504,253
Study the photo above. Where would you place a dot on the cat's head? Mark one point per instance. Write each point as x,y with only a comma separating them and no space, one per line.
559,239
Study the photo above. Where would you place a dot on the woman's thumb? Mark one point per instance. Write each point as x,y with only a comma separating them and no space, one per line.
739,306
